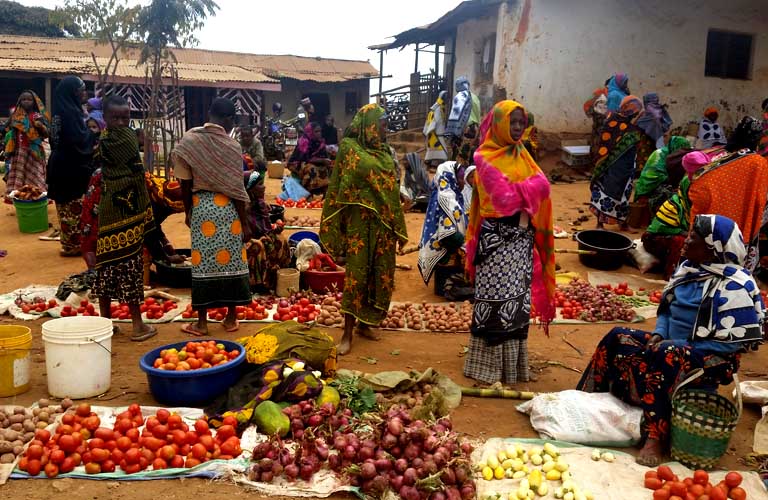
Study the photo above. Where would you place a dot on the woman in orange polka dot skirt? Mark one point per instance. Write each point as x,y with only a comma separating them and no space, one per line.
619,153
209,165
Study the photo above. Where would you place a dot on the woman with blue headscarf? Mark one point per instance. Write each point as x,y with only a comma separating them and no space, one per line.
711,312
618,89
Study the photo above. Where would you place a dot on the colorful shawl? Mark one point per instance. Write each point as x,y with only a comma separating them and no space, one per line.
461,109
363,175
434,130
22,125
655,120
125,213
445,217
672,217
618,135
509,181
617,90
599,95
732,310
307,149
655,172
215,159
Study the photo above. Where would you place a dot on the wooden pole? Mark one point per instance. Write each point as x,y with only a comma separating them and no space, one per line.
48,95
416,66
381,72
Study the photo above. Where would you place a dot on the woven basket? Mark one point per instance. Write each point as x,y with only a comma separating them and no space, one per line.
702,424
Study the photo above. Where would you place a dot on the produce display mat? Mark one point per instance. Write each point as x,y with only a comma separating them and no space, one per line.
323,484
213,469
618,480
635,282
8,301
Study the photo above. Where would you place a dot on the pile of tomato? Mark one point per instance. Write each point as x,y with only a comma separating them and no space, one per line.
667,486
37,305
85,309
303,310
302,203
153,308
165,442
195,356
254,311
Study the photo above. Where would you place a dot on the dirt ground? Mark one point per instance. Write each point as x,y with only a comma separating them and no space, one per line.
31,261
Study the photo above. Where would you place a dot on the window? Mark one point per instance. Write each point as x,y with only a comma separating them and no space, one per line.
729,55
351,104
488,55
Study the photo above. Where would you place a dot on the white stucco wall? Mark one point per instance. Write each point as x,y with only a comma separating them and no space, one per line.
572,46
470,39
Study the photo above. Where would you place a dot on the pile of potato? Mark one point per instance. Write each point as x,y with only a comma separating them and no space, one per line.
410,399
405,315
18,426
303,221
330,313
28,193
446,318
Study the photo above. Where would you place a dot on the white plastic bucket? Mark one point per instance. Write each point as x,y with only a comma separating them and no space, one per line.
78,356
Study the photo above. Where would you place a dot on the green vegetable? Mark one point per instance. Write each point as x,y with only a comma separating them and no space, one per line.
270,420
358,400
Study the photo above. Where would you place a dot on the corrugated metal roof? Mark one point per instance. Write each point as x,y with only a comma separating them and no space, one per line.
73,55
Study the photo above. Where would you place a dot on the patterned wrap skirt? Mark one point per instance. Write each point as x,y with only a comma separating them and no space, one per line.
219,260
498,349
121,281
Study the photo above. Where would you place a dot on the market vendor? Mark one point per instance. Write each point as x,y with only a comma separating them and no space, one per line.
445,224
662,173
710,313
268,251
252,147
309,163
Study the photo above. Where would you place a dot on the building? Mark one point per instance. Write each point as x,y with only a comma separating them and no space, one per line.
255,82
551,54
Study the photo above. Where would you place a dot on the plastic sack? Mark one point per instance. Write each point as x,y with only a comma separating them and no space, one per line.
596,419
754,392
293,190
644,260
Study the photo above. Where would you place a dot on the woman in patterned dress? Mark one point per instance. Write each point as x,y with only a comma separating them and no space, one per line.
24,143
363,222
510,249
710,313
209,165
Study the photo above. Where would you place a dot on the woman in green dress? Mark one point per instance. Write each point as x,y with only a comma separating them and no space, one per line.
363,222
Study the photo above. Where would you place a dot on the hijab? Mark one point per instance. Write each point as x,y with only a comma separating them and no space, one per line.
308,145
732,310
68,129
461,108
508,181
693,161
746,135
655,120
617,90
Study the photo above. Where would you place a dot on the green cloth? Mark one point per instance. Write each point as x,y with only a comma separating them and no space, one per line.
474,115
655,173
672,218
125,213
362,217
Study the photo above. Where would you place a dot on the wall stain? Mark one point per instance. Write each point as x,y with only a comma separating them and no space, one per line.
522,26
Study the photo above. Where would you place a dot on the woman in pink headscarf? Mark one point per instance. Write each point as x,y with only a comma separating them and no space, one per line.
309,162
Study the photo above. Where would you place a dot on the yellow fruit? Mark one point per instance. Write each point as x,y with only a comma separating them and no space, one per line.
509,473
559,493
547,458
519,475
535,451
542,490
553,475
493,462
568,496
517,464
487,473
502,455
328,395
548,466
522,494
508,463
565,476
511,452
536,459
535,479
551,450
589,495
498,472
608,457
561,466
525,458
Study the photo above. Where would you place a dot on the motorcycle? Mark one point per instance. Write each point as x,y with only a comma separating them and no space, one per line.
279,136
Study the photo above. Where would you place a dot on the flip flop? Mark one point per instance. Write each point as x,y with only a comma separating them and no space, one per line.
234,328
148,335
189,329
115,330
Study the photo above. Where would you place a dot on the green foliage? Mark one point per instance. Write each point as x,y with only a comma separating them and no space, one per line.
172,23
106,21
359,400
32,21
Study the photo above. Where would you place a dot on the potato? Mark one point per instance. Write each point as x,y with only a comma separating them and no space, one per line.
3,416
42,402
44,416
18,450
17,427
29,436
6,447
66,403
16,419
29,426
12,435
7,458
19,410
41,425
18,442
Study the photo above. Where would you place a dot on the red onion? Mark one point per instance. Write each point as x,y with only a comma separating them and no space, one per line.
265,464
438,495
322,451
367,470
410,476
291,471
277,469
431,443
400,465
445,422
388,441
334,462
409,493
382,464
439,459
396,483
286,457
452,493
267,476
448,476
365,453
306,471
314,420
467,492
349,452
412,451
379,484
395,426
339,443
462,475
417,462
396,452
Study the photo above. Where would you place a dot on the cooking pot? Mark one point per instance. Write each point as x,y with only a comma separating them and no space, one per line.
610,248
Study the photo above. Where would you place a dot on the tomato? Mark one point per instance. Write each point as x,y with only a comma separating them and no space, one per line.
738,494
224,432
653,483
104,434
34,452
229,420
67,443
57,456
717,494
733,479
191,462
108,466
177,462
99,455
661,494
701,477
678,489
675,497
51,470
207,441
201,427
696,490
665,473
159,464
132,456
198,451
132,434
130,468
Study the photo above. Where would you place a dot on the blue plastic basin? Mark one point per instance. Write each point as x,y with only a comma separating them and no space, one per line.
194,387
296,237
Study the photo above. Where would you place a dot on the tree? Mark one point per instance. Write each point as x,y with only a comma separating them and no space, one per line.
165,24
110,22
32,21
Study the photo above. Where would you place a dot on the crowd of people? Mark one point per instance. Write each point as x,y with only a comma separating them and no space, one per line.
490,212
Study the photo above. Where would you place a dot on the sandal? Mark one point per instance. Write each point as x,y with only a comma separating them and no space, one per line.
146,335
233,328
189,329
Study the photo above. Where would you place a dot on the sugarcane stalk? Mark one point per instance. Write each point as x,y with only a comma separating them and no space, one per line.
577,252
477,392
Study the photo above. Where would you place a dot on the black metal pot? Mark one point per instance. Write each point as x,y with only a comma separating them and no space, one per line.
610,248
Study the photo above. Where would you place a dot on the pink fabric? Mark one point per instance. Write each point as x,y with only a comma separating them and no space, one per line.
694,161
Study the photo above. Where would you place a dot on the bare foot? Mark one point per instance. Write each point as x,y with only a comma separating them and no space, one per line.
344,347
366,332
651,454
147,332
191,329
600,225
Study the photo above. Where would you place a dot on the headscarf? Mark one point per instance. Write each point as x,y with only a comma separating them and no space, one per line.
102,125
617,136
693,161
445,217
308,145
655,172
215,159
68,129
732,310
21,123
364,174
655,121
599,95
631,106
617,90
746,135
509,181
461,108
259,211
710,132
468,190
125,212
96,112
711,114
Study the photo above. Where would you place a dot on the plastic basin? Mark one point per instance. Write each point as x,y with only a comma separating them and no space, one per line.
296,237
194,387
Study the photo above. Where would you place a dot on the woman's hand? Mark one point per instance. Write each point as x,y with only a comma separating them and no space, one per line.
175,259
655,339
90,259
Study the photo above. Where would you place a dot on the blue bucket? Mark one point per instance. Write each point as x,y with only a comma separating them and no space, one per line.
296,237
